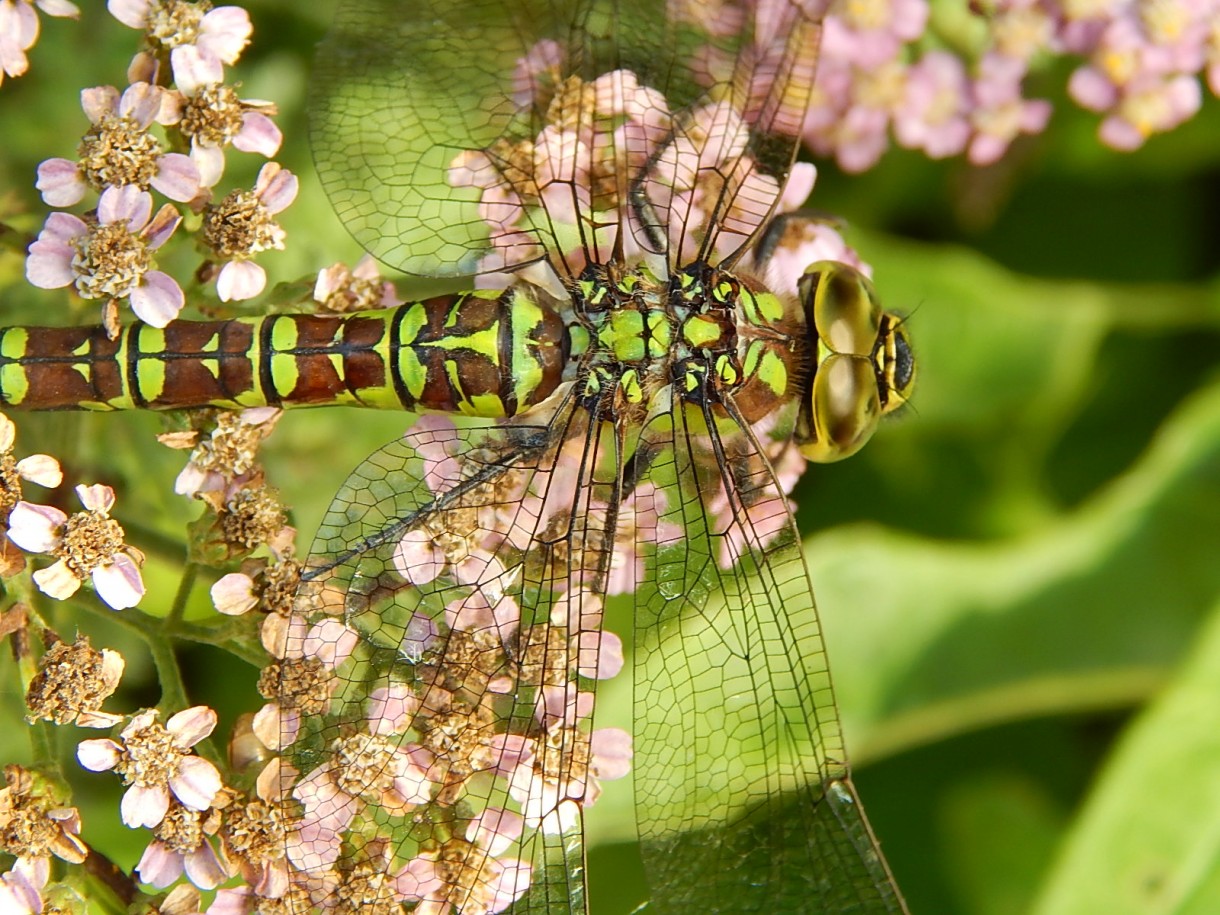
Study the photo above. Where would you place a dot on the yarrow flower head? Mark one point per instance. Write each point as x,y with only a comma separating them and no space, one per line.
220,34
212,117
242,225
155,761
119,150
19,30
72,682
111,257
88,544
34,823
340,289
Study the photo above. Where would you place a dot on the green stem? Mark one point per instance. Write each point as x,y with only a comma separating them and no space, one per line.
161,645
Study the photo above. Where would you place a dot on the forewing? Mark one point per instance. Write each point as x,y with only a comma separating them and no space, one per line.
458,138
742,793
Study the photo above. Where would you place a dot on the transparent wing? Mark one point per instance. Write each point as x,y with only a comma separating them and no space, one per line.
450,638
470,137
743,798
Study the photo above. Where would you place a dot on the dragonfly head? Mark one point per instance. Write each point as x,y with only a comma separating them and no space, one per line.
863,364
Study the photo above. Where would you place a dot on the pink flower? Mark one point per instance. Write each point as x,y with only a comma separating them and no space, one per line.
154,760
111,259
496,884
212,116
242,225
19,30
165,860
934,114
1000,113
119,150
92,545
220,34
21,888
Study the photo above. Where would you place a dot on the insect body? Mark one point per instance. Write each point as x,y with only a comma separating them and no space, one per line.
481,600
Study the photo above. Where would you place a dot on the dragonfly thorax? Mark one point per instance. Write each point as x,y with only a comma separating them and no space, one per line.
701,335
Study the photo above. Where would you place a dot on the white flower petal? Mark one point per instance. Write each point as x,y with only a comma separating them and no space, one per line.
118,583
35,528
99,755
196,783
57,581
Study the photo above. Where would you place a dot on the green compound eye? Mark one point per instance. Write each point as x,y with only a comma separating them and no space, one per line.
846,312
864,364
844,408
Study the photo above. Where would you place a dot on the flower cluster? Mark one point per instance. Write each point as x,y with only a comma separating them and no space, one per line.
110,255
886,70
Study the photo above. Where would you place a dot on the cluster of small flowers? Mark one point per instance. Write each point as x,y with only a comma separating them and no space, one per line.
447,737
109,253
86,545
882,70
179,796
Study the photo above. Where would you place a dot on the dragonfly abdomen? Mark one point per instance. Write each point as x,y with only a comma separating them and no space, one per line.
486,353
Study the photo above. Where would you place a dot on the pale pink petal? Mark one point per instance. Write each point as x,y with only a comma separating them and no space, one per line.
258,134
144,806
96,497
280,190
194,69
1119,133
191,725
157,232
141,102
204,868
240,280
225,32
118,582
49,264
266,726
196,783
60,182
99,102
236,901
98,755
159,866
417,558
611,748
419,879
41,469
158,299
126,204
495,829
331,642
510,885
233,594
132,13
59,8
210,160
177,177
391,708
35,528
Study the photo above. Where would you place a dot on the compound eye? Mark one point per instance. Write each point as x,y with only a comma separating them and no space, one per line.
845,311
844,408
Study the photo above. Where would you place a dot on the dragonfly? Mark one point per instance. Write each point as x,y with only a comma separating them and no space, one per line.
581,564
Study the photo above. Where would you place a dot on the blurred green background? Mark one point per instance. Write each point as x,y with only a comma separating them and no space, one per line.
1019,578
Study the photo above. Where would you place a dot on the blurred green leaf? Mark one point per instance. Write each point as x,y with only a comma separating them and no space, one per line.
1148,839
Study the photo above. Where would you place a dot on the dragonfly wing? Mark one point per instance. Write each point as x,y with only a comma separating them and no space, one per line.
460,138
744,803
450,629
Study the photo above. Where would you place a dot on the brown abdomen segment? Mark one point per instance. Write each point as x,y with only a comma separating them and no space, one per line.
482,353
